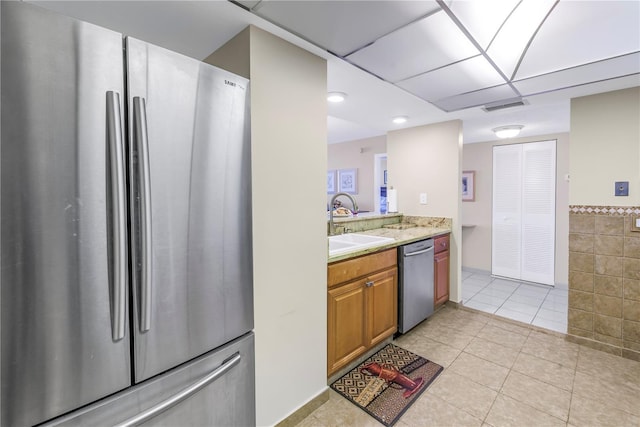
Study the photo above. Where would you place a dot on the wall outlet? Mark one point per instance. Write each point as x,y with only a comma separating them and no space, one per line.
423,198
635,224
622,188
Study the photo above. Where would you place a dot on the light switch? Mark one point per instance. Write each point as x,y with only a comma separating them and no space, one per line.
423,198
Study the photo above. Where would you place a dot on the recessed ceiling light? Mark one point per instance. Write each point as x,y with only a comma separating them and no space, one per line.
507,131
400,119
336,96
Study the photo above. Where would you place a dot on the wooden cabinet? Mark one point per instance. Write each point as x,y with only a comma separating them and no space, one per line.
362,306
441,270
346,334
382,305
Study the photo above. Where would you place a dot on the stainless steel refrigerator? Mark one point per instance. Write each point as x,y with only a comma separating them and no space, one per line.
127,284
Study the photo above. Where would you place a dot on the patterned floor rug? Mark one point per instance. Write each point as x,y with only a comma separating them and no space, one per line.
386,384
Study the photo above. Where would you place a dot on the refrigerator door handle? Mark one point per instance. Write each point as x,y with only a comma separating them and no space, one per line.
144,188
118,225
183,394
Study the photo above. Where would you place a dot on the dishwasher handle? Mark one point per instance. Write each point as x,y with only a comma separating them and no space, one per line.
424,251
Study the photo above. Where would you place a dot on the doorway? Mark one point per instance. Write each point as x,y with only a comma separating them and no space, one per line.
380,183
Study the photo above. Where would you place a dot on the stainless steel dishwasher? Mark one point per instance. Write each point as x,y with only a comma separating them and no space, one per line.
415,290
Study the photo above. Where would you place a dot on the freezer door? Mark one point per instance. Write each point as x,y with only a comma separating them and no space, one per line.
64,339
216,389
191,193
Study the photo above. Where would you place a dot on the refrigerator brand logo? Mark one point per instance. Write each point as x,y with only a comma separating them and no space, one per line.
233,84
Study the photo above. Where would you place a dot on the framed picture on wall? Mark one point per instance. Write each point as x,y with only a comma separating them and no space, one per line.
468,186
331,182
348,181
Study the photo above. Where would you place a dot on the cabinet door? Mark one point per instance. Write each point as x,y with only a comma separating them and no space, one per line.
346,338
382,304
441,279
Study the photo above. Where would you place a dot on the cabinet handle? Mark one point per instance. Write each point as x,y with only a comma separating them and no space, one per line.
369,283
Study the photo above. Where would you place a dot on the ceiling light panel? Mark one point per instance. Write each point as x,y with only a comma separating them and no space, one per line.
514,36
465,76
474,99
424,45
482,18
336,97
343,26
601,70
579,32
509,131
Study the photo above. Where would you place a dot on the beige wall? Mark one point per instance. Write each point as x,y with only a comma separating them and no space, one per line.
289,156
427,159
476,241
604,263
358,154
605,147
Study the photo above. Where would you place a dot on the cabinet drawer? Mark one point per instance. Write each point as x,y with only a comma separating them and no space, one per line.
441,243
343,271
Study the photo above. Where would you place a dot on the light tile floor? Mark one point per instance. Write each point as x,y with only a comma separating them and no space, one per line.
538,305
498,373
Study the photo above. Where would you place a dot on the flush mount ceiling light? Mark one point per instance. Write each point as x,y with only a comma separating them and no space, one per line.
336,97
400,119
507,131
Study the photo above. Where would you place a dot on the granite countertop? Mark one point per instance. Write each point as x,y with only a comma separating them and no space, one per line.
401,235
363,216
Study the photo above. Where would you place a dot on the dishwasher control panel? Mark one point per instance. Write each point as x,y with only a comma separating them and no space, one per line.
417,246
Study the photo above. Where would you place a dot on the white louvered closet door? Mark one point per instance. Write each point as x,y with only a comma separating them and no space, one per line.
507,211
538,212
532,232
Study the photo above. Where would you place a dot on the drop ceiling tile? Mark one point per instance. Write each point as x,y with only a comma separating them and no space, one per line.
580,32
464,76
597,71
482,19
342,27
514,36
477,98
424,45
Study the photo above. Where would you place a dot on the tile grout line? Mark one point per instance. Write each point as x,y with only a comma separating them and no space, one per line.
514,362
484,419
538,311
538,306
512,292
477,292
566,314
447,368
505,380
505,300
575,372
520,373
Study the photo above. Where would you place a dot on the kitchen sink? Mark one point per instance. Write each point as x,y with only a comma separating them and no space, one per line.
350,242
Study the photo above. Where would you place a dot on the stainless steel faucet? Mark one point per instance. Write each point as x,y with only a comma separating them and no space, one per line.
332,227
